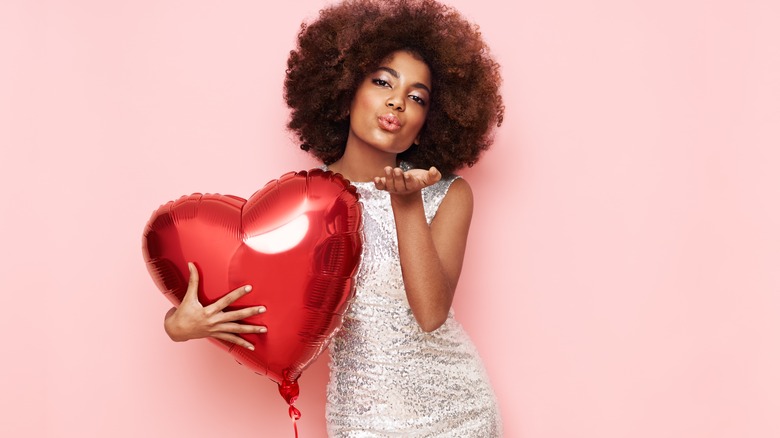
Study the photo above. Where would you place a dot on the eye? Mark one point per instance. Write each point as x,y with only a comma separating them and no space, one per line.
417,99
380,82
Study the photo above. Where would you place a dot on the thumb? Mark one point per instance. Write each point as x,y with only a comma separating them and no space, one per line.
192,286
434,174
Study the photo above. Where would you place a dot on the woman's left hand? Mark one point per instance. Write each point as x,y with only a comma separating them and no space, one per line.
398,182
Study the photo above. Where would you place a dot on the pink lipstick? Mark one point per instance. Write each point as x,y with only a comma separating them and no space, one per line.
389,122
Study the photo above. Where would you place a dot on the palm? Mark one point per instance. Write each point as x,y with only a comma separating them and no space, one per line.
421,178
398,182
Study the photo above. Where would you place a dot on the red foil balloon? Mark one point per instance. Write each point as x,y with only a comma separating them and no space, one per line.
297,241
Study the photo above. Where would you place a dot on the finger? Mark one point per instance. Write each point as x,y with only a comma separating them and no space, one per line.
434,174
398,177
237,315
379,183
407,180
234,327
228,299
389,179
396,186
192,285
235,339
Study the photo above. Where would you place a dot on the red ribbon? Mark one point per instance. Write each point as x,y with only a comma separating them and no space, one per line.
289,391
295,414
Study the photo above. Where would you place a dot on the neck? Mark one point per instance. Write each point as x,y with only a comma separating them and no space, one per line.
363,164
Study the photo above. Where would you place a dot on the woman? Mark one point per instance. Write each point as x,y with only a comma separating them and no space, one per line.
395,96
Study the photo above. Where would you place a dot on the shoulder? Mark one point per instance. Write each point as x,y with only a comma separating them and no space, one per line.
458,197
459,191
457,200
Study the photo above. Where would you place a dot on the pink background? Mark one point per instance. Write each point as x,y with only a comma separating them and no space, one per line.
622,273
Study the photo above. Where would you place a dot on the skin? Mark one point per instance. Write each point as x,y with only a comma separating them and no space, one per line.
191,320
431,256
400,87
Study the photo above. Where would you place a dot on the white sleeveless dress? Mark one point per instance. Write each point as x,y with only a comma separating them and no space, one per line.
388,378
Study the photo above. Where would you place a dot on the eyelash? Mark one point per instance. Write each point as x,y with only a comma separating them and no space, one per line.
418,99
383,83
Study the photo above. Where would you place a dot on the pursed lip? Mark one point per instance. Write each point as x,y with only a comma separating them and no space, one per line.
389,122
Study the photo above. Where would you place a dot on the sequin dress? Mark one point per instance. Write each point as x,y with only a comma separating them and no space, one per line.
388,378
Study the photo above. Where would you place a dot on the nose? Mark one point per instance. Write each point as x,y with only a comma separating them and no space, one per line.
395,102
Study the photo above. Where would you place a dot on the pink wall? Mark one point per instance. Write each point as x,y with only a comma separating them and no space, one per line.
622,274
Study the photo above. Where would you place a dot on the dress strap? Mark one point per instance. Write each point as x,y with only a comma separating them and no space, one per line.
433,196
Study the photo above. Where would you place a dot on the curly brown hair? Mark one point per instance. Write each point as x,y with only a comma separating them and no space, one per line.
350,39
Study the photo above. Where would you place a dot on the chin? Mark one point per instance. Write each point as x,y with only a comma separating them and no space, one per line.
390,148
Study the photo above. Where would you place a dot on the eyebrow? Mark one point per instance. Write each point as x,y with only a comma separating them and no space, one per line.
397,76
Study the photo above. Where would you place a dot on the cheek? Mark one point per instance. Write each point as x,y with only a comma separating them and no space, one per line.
363,105
420,118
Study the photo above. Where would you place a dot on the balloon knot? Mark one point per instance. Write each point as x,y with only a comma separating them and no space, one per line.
295,414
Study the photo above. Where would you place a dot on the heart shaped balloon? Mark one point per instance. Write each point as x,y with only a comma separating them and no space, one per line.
297,241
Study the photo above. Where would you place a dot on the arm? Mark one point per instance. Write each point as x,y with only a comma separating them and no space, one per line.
192,321
431,256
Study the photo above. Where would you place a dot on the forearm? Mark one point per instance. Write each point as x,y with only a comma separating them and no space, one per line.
428,289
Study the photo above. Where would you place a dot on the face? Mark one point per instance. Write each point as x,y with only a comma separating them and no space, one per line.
391,104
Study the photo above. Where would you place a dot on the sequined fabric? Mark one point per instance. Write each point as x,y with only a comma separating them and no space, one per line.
388,378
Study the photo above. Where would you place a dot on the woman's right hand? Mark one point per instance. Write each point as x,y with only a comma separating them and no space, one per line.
192,321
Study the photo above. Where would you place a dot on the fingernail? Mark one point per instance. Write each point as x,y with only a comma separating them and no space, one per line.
248,288
261,309
262,330
251,347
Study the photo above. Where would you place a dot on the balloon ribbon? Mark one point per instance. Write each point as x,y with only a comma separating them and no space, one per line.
289,391
295,414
